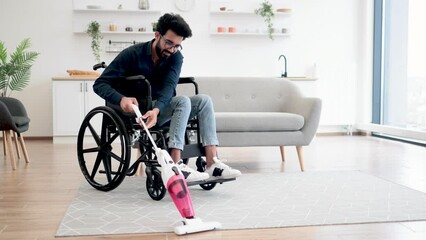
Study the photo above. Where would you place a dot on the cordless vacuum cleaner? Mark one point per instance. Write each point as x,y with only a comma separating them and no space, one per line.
177,188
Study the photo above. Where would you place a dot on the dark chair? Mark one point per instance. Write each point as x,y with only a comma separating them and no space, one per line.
13,118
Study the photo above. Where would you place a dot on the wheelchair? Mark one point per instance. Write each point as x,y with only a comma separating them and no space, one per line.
108,134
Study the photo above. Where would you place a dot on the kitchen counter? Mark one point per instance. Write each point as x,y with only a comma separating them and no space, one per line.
93,77
301,78
75,77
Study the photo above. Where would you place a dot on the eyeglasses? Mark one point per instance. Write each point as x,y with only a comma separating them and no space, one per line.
169,44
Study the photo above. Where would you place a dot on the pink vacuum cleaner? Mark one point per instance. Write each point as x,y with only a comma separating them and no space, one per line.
177,188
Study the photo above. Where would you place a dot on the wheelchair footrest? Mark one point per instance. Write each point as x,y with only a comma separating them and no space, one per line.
211,181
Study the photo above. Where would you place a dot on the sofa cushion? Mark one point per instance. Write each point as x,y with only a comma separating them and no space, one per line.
258,121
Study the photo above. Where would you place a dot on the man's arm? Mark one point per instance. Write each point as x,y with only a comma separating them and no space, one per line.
103,87
116,71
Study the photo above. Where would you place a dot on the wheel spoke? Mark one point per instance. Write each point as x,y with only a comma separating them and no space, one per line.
94,134
90,150
107,166
112,139
96,166
157,192
116,157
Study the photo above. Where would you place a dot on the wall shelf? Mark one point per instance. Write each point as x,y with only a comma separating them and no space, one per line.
121,33
225,13
107,13
248,34
246,23
136,11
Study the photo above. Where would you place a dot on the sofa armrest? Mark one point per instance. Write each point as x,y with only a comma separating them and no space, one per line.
310,109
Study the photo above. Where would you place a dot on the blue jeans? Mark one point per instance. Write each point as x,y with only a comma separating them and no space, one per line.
183,108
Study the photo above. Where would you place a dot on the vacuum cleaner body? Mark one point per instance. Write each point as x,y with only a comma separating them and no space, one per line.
175,184
178,190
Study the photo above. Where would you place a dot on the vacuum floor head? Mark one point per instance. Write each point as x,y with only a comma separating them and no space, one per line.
193,225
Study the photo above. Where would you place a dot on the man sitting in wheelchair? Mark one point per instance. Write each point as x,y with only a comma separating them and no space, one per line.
160,61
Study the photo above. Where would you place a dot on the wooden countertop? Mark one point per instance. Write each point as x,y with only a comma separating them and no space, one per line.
93,77
75,77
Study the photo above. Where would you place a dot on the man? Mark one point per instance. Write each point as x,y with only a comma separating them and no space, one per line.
160,61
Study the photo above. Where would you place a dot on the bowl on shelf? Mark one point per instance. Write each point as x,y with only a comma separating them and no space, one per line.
220,29
284,10
93,6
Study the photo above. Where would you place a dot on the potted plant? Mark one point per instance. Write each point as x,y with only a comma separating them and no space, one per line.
154,26
15,74
265,10
94,32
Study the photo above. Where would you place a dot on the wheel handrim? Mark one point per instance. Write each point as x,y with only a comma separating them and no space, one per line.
108,155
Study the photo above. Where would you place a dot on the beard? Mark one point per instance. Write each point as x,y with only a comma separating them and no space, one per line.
162,53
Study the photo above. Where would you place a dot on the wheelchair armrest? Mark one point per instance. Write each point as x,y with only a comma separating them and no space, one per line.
147,83
136,78
185,80
99,65
145,100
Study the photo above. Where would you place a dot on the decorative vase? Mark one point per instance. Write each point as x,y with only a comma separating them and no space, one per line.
144,4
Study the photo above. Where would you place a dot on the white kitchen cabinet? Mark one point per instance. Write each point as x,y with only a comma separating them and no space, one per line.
72,100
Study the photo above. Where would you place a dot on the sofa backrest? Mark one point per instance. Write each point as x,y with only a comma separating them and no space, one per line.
247,94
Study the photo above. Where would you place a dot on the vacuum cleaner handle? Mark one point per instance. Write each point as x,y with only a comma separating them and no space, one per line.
142,123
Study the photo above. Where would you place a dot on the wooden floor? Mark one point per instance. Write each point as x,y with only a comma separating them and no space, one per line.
34,198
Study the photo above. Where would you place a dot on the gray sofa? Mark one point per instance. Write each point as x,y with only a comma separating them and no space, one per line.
256,111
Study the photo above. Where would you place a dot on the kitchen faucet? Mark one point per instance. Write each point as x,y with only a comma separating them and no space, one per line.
284,75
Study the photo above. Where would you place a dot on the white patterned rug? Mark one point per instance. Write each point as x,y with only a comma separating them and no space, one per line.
257,200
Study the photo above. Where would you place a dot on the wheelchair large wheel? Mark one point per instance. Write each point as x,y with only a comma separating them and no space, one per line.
154,184
103,149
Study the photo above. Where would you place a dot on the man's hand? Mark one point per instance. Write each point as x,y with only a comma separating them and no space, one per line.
126,103
151,117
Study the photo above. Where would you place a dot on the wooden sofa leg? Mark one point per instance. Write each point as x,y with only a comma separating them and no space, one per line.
10,148
282,150
300,155
24,148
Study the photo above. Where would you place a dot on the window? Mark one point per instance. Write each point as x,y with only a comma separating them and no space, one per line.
399,90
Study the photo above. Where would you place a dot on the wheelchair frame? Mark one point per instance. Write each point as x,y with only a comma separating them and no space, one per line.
105,160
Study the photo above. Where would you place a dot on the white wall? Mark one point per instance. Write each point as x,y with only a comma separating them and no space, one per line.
333,34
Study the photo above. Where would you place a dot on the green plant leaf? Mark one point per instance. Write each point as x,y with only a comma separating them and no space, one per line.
20,79
267,12
15,74
3,53
93,30
3,82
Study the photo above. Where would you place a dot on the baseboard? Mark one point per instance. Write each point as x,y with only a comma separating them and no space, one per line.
35,138
327,134
342,129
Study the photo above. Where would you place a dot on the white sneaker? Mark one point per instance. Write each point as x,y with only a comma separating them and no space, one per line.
220,170
190,174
